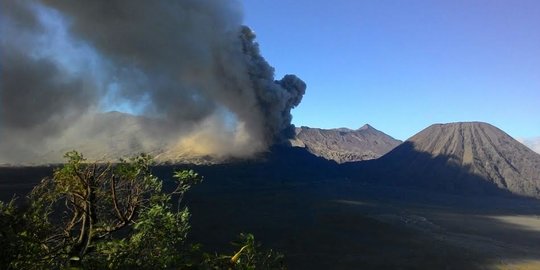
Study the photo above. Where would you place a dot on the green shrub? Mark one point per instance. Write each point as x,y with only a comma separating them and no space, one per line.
112,216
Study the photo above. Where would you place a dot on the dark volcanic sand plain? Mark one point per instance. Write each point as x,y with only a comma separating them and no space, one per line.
322,215
327,221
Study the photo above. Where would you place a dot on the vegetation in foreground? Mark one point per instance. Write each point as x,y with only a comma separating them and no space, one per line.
114,216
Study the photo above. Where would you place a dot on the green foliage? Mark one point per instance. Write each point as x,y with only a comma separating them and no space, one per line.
112,216
248,257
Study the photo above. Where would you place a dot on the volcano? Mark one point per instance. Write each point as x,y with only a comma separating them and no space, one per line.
343,144
462,157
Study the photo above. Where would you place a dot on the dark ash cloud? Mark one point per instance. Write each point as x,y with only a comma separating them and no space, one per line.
194,73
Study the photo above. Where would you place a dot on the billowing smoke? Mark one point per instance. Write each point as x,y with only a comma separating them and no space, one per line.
188,73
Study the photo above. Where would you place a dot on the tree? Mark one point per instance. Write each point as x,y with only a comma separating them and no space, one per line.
116,216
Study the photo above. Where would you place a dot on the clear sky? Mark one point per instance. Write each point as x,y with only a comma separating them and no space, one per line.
401,65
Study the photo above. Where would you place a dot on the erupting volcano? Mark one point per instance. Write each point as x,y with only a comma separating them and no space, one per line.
187,74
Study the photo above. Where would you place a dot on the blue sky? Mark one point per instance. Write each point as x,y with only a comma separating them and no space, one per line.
401,65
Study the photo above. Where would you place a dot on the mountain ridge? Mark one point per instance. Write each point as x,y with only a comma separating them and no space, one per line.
343,144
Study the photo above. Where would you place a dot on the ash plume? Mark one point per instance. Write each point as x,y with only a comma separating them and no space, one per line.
188,71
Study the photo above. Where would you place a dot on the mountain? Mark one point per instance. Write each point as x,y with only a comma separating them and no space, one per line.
134,135
467,157
137,134
345,145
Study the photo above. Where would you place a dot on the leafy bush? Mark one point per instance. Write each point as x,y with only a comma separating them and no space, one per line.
112,216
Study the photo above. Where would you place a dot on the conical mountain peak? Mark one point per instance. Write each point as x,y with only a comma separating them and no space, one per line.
450,155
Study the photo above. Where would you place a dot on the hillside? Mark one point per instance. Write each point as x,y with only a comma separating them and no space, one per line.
345,145
136,134
463,158
133,135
